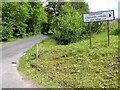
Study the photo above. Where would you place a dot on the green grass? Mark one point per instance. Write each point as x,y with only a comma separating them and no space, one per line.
74,65
2,42
15,39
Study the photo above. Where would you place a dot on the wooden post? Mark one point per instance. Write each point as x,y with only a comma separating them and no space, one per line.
108,33
36,50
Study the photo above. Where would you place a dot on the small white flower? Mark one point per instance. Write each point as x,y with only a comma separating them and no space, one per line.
74,65
78,71
57,67
108,75
89,66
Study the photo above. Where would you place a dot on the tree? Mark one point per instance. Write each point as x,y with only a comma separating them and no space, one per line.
14,16
36,19
20,19
80,6
52,11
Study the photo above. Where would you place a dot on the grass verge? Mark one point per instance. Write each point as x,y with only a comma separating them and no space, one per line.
74,65
15,39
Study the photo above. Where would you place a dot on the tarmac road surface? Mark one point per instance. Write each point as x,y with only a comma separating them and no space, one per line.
11,53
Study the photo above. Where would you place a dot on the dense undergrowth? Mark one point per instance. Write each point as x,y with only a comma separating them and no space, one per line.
74,65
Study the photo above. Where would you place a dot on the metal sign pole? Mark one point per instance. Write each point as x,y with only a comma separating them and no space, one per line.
90,35
108,33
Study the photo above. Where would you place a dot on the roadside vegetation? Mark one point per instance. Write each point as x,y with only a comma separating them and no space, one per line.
65,58
74,65
16,39
21,19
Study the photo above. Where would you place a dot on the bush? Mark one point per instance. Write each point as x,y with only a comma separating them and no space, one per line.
7,31
45,28
67,25
96,26
115,30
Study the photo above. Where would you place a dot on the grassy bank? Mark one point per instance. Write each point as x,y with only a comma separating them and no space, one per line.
74,65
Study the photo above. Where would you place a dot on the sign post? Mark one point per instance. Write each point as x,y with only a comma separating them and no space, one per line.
90,35
108,33
98,17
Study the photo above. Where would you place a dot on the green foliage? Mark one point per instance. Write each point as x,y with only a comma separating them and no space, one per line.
66,22
52,10
67,25
7,31
45,28
115,29
20,19
36,19
74,65
14,16
80,6
96,26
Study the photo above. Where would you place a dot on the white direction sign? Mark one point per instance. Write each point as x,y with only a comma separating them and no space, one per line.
98,16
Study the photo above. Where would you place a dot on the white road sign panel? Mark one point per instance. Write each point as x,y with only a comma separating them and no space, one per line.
98,16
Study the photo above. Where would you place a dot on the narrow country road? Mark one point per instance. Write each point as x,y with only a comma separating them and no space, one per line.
11,52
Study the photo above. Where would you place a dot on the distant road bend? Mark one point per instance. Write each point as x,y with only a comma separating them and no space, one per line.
11,52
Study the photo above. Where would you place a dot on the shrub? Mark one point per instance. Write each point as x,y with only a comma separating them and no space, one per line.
115,30
7,31
67,25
